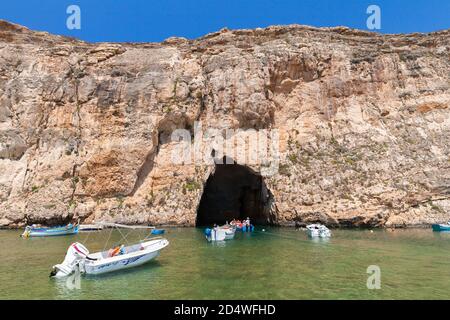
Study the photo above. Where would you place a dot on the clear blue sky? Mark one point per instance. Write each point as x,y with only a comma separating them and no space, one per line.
155,20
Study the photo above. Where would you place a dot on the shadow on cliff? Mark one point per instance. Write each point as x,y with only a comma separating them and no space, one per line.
235,192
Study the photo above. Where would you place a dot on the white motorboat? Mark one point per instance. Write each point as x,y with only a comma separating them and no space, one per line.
318,230
220,233
119,258
102,262
229,232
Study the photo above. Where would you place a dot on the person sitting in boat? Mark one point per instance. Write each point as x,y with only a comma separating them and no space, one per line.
247,224
116,251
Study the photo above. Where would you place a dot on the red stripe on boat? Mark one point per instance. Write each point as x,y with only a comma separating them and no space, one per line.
78,250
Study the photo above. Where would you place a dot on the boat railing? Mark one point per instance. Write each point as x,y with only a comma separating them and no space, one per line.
125,226
149,238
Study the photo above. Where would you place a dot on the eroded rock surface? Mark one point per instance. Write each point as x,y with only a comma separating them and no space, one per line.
363,118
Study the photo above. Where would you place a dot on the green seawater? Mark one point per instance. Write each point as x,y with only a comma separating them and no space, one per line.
281,263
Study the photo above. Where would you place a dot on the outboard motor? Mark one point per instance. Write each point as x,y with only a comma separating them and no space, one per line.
76,253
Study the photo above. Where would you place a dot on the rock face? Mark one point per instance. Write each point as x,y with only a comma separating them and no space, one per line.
363,124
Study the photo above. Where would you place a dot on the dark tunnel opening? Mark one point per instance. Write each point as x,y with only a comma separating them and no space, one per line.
234,191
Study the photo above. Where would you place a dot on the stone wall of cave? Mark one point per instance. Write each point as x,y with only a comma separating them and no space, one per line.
235,192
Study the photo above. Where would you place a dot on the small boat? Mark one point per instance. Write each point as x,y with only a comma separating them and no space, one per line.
118,258
230,231
242,226
158,231
78,256
318,230
31,231
89,227
215,234
441,227
220,233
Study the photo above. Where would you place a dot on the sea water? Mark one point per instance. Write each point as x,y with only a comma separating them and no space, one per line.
280,263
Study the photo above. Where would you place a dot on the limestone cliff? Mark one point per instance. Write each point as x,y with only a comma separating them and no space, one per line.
363,122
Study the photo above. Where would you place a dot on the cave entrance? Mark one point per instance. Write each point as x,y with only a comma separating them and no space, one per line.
232,192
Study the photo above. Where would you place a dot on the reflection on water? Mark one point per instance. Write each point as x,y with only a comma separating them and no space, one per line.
320,240
219,243
67,285
279,263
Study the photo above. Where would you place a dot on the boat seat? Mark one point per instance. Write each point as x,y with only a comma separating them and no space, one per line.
133,248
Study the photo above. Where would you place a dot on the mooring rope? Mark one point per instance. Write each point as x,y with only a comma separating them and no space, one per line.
107,240
124,237
87,236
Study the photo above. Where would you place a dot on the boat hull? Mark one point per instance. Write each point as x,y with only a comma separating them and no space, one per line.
89,227
441,227
120,264
126,261
318,231
216,235
222,233
312,233
248,228
51,232
229,233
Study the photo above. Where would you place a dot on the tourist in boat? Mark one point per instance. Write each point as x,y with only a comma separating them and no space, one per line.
238,224
113,252
119,250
